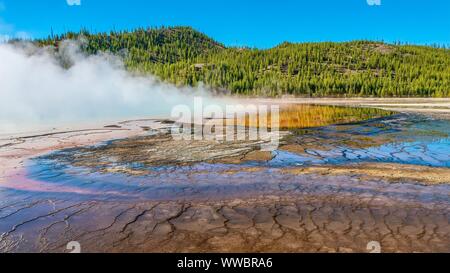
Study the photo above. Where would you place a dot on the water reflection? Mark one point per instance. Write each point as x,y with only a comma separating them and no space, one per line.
297,116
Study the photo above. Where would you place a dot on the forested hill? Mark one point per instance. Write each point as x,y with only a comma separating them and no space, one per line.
361,68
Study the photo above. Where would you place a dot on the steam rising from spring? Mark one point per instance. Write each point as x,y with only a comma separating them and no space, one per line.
36,89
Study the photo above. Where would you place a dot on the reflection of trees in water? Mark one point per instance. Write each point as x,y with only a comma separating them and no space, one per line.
305,116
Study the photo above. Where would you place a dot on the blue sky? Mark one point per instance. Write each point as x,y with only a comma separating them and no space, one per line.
256,23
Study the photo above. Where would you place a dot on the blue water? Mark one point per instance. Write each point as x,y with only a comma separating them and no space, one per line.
412,140
426,153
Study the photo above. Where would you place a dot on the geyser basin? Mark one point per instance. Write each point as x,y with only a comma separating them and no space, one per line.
325,187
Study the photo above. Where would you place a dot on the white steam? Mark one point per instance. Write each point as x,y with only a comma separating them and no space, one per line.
36,90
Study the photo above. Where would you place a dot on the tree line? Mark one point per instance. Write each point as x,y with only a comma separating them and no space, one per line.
183,56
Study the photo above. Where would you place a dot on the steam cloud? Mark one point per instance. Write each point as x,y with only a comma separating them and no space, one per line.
35,89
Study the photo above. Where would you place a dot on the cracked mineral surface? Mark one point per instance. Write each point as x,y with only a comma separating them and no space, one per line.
325,189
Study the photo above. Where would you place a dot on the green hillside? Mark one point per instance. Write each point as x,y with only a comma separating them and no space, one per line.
184,56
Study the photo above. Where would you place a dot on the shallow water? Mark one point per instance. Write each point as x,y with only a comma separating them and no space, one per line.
216,181
405,139
111,198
